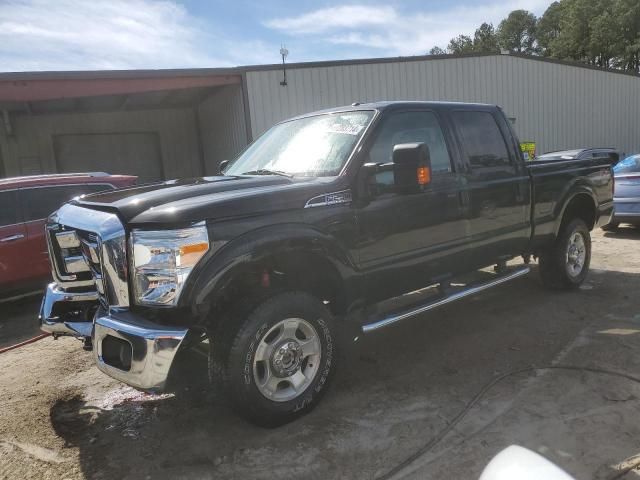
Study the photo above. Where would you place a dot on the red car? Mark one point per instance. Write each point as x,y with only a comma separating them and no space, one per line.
25,203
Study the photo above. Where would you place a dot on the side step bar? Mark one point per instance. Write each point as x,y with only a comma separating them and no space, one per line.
471,290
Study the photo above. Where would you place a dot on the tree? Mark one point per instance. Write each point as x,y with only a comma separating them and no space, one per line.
460,44
605,42
437,51
628,14
485,39
604,33
516,33
548,28
573,40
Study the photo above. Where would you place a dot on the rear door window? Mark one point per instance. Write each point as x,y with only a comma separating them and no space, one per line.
9,211
481,138
40,202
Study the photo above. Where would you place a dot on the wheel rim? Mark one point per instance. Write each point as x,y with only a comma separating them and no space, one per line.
576,254
287,359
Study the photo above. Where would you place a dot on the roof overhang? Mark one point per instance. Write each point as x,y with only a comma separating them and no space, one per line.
38,89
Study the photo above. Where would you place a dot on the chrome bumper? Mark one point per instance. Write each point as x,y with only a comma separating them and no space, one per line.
126,346
134,350
64,313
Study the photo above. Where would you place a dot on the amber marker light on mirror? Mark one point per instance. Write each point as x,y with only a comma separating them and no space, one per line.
424,175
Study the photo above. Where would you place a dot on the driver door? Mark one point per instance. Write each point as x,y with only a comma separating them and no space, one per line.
408,241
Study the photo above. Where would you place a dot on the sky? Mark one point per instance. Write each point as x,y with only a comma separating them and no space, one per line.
132,34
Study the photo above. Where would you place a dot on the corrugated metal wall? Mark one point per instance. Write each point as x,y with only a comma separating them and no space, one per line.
223,131
557,106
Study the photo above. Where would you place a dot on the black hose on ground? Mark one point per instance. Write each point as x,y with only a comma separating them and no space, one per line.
443,433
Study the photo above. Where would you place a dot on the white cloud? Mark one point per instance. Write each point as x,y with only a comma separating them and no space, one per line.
391,32
350,16
111,34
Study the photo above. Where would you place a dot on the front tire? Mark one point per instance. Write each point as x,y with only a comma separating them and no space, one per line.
281,359
565,264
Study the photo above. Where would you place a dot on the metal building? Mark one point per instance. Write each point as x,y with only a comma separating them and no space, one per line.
176,123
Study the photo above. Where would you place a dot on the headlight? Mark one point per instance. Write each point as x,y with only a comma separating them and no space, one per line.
162,261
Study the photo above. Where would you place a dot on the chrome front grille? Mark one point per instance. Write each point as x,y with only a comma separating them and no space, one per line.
90,248
67,261
87,250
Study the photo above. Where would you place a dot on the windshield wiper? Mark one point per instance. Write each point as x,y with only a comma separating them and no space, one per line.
264,171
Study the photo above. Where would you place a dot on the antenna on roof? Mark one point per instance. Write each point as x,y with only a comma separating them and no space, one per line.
284,52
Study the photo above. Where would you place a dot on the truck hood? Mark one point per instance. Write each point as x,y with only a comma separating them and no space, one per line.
203,198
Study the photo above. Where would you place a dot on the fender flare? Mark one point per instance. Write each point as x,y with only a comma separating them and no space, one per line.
573,190
250,248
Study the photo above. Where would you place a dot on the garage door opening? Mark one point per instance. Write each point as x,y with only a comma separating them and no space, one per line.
134,153
139,129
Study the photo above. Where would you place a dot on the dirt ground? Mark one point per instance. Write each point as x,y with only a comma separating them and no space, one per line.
61,418
18,322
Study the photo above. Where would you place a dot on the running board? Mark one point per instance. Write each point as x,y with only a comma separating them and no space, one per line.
472,290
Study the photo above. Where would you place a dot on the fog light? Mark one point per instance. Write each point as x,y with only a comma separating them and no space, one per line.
117,353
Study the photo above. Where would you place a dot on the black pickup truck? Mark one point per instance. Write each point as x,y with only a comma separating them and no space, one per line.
311,235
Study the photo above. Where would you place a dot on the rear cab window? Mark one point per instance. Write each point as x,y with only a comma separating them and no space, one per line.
481,140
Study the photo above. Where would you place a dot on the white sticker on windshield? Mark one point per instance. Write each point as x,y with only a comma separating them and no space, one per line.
348,128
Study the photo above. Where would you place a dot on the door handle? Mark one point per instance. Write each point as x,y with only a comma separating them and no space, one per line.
11,238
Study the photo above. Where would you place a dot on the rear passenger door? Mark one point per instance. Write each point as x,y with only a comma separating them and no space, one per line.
496,197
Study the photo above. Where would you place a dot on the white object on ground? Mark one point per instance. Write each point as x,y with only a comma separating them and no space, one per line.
519,463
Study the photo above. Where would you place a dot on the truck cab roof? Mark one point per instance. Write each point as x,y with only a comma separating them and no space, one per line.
398,105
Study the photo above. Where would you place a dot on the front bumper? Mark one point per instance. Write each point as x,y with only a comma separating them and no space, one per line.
67,313
134,350
126,346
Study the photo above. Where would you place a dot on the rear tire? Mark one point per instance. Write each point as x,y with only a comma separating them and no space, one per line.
610,227
565,264
280,360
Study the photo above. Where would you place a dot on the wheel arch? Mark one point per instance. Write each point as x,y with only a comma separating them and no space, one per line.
581,203
282,257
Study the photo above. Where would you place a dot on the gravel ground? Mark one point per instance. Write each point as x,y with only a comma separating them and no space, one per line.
61,418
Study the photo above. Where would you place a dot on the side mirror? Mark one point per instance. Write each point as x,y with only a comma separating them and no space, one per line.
411,167
223,166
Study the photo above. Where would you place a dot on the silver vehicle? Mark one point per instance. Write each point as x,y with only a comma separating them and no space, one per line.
627,193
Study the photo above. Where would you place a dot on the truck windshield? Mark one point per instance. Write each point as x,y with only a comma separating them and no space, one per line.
316,146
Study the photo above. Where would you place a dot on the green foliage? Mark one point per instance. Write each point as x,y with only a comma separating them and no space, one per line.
437,51
460,44
604,33
548,28
517,32
485,39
